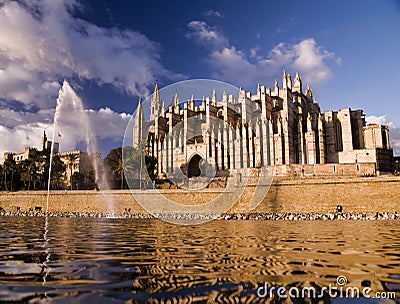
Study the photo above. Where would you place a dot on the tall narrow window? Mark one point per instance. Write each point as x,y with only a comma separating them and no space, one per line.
339,138
384,139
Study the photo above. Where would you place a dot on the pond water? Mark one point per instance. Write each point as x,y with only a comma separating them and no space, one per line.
83,260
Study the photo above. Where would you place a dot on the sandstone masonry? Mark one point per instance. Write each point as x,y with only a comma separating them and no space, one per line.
282,126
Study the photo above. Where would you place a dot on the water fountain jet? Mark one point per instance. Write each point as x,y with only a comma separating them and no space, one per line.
67,95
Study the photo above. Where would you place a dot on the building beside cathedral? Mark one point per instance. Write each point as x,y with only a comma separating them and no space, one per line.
75,161
28,151
281,126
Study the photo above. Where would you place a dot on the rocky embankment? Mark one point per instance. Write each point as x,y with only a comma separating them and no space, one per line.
234,216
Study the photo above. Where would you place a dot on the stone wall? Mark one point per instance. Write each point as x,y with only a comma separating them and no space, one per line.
327,170
323,195
298,195
357,156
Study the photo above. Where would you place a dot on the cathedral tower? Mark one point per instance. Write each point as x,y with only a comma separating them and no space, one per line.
156,104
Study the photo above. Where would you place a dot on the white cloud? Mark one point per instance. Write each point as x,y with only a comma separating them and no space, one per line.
305,57
105,123
309,59
380,120
42,43
213,13
16,139
206,35
254,52
11,118
231,64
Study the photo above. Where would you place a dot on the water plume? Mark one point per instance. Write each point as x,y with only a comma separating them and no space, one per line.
68,99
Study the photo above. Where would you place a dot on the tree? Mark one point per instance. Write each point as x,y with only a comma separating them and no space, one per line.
42,163
40,159
78,180
44,172
57,171
71,163
151,166
132,164
10,173
87,170
128,163
1,178
139,170
116,166
28,172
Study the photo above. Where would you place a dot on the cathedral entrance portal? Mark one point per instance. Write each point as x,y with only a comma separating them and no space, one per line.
194,166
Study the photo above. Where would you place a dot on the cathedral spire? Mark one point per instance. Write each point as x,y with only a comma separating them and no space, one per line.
155,106
289,81
309,92
214,95
176,99
284,80
163,108
156,94
140,105
297,86
242,93
224,97
276,88
191,103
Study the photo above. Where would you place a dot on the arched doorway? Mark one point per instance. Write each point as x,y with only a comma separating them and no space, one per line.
194,166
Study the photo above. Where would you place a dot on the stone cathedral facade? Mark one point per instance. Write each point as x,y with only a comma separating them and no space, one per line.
281,126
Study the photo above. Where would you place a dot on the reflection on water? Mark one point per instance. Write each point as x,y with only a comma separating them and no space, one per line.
116,260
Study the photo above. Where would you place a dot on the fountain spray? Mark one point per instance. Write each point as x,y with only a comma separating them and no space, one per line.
67,94
52,147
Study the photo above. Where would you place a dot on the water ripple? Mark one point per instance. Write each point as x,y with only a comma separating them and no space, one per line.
132,261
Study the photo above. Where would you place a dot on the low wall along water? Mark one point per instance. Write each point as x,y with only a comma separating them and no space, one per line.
377,194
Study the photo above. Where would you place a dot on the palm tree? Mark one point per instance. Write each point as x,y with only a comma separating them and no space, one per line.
9,167
115,163
71,163
139,165
1,177
58,169
119,170
28,172
4,171
40,161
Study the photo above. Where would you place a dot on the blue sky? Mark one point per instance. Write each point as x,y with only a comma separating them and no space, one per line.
112,52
